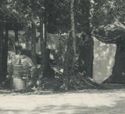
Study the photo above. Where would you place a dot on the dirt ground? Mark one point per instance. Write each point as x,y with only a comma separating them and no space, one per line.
80,102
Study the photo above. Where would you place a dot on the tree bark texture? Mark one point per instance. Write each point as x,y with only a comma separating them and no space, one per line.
33,42
5,52
86,45
73,25
86,56
68,62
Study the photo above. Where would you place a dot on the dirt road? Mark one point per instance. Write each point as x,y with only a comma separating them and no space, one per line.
82,102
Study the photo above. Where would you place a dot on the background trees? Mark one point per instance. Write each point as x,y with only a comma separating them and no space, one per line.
80,20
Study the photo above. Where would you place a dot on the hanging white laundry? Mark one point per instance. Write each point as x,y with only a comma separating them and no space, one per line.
104,57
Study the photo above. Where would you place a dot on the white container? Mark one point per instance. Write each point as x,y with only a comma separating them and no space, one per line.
19,84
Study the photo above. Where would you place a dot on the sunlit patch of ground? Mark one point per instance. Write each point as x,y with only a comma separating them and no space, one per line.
82,102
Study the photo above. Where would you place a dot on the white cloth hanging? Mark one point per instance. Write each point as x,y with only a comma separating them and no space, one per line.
104,57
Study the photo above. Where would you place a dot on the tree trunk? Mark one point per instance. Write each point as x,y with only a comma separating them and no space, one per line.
73,26
86,56
2,77
33,43
45,62
86,44
5,53
69,60
42,40
1,50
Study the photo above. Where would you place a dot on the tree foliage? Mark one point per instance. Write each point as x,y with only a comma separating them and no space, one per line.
108,19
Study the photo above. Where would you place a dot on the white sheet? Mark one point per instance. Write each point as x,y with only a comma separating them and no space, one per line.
104,57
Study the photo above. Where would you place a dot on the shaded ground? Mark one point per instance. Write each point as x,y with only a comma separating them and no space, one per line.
80,102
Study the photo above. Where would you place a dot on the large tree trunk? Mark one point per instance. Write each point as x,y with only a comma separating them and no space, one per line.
86,44
70,54
86,56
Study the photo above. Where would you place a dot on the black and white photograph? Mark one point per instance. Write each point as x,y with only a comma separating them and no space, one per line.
62,56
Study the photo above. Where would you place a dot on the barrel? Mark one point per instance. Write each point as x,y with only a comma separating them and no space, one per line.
20,77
